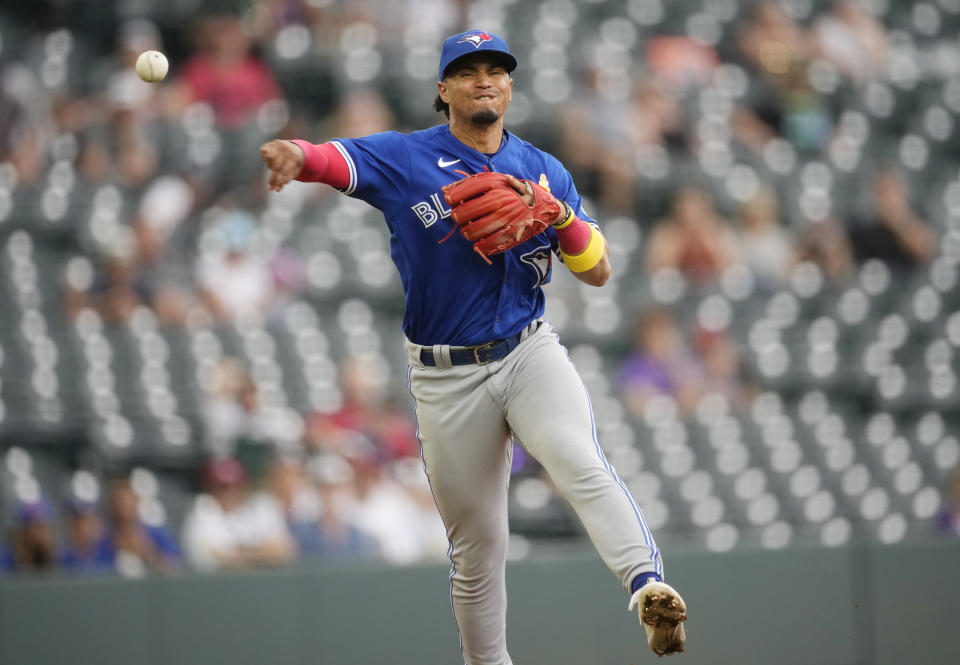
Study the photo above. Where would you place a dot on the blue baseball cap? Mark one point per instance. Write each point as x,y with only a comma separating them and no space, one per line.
472,41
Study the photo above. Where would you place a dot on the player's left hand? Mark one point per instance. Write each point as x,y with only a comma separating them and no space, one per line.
523,188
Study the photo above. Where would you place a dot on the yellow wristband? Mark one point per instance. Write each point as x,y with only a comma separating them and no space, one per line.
568,220
590,256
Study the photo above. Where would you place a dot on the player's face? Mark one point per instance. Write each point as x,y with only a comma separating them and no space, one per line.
477,89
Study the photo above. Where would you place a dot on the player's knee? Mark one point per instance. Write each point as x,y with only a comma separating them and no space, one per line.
472,584
581,483
476,575
575,474
480,553
572,461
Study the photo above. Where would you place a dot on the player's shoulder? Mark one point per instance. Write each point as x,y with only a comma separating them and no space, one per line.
380,145
523,146
389,136
533,154
428,135
404,140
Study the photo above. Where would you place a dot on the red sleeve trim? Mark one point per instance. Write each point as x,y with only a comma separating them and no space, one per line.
324,163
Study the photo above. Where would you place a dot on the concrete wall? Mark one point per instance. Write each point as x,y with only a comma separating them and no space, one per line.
853,606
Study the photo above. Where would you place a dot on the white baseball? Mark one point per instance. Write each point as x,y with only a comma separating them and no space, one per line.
152,66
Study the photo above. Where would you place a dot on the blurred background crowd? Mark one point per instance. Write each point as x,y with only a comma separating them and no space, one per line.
194,373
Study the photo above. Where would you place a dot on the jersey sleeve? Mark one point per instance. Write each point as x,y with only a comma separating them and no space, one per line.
379,167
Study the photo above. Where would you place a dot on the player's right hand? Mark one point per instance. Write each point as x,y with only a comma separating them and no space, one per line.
284,159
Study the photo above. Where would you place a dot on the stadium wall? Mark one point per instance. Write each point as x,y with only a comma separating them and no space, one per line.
861,605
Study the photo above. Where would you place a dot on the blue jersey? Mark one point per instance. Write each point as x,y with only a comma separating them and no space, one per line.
452,295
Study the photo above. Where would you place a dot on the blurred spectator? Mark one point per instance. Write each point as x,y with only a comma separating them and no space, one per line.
361,112
237,423
94,160
235,281
781,101
825,244
225,73
6,560
164,207
429,527
118,113
948,520
784,106
596,143
603,136
133,273
765,245
229,527
159,279
722,369
118,127
32,543
442,16
335,533
139,546
123,85
288,267
298,498
679,63
27,125
805,117
134,151
656,118
228,410
270,16
891,230
115,293
129,131
852,39
89,547
692,239
385,510
367,411
771,41
661,363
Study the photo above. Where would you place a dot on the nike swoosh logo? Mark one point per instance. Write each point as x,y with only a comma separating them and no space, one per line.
443,164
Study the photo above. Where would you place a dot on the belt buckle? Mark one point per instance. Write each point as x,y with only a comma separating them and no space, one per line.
477,349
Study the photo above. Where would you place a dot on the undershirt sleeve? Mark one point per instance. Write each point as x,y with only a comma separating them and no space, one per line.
324,163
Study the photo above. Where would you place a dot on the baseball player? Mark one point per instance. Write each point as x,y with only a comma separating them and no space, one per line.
484,365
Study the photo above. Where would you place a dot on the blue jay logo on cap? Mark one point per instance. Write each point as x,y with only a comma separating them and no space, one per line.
476,39
458,45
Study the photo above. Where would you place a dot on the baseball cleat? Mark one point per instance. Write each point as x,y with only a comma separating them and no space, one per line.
662,613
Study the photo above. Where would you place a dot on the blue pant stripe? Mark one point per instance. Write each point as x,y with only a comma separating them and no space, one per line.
647,535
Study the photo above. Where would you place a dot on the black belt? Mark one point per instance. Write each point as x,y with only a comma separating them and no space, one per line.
477,355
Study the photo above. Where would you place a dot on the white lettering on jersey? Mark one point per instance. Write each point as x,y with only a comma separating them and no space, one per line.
426,213
438,202
430,211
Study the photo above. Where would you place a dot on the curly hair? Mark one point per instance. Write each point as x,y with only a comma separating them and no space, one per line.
441,106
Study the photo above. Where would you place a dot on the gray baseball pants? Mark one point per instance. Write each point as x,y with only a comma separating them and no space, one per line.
466,414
